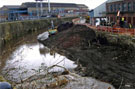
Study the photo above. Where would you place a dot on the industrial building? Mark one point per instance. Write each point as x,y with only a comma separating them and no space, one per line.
38,9
56,8
11,12
100,11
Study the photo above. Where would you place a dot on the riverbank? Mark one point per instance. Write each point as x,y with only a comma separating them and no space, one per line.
10,31
104,56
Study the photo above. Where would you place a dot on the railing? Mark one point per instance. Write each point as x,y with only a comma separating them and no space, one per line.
117,30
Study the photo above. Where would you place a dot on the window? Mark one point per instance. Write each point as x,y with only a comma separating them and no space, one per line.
134,6
125,7
118,7
122,6
115,8
108,8
111,9
129,7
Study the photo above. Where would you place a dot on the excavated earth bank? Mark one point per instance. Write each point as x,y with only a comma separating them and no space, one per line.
104,56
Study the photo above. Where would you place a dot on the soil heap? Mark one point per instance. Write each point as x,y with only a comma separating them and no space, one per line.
102,57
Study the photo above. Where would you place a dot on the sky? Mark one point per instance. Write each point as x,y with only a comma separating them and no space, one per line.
90,3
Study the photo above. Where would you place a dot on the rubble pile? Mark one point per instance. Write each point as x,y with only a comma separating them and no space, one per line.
67,81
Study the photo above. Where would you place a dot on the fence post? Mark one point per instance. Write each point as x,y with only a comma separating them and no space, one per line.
134,32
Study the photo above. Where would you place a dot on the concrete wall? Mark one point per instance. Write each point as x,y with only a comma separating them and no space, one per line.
13,30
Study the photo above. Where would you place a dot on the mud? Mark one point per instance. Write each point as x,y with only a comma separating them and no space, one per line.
67,81
107,58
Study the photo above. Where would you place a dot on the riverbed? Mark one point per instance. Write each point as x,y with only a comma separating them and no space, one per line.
26,57
29,57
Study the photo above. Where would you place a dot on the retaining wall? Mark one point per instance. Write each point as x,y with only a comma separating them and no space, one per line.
13,30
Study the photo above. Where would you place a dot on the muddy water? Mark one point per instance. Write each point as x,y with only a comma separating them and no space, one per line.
31,57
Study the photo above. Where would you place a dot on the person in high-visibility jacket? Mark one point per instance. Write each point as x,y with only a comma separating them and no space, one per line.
130,25
122,19
121,23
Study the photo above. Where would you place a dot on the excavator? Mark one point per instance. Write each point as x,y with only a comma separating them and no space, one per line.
52,30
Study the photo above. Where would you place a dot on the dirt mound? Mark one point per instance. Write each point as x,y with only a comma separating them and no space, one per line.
75,36
107,60
64,26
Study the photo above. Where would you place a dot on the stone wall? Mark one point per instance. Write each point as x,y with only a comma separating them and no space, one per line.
14,30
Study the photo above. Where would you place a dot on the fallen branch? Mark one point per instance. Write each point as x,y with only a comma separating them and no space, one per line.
57,66
121,83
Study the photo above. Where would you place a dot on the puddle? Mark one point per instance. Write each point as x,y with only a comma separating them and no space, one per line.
29,59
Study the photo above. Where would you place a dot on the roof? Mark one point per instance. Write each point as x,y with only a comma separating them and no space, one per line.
82,6
91,10
110,1
12,6
33,4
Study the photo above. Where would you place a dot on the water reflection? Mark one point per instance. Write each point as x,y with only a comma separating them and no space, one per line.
29,57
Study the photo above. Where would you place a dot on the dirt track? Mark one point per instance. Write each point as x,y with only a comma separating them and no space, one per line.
110,60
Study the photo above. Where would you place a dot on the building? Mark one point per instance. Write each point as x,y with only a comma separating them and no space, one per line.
30,10
91,14
100,11
125,7
11,12
56,8
6,12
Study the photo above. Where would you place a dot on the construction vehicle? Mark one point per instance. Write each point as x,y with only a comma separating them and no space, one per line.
52,30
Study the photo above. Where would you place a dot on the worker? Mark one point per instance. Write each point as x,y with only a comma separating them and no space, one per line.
121,23
52,25
130,25
122,19
5,85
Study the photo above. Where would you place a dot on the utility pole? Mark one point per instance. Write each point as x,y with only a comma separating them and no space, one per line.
49,9
37,8
41,8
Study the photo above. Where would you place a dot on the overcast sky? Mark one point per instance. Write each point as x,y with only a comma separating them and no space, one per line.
90,3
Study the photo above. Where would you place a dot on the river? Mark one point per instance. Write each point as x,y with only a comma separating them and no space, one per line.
26,56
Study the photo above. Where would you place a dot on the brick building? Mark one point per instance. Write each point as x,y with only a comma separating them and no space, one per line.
126,8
